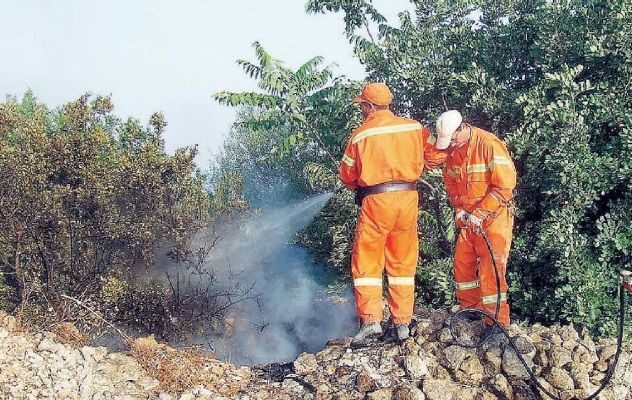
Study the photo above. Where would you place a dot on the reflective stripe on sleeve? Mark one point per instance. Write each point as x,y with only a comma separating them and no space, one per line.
493,298
401,280
500,160
468,285
367,282
477,168
348,160
384,130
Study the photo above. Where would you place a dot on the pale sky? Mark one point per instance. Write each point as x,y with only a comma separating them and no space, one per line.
159,55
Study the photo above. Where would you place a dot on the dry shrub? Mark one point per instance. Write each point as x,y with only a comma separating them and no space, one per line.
179,370
67,333
10,323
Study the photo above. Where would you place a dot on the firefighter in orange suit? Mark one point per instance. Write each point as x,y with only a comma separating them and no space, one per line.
383,159
479,178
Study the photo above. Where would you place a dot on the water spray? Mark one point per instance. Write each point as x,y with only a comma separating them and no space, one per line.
273,296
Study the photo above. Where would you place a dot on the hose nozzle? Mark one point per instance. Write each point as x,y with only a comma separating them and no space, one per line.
626,279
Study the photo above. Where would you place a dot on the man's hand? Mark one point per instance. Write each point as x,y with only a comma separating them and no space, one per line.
460,218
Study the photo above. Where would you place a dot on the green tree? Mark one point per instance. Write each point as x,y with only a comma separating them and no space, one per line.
290,104
86,203
287,142
552,79
305,102
575,139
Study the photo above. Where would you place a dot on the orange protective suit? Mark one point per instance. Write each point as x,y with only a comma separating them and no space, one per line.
480,178
387,148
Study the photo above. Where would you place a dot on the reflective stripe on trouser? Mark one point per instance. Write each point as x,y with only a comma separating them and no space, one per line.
473,264
386,237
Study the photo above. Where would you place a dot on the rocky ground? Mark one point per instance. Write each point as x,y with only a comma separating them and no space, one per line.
429,365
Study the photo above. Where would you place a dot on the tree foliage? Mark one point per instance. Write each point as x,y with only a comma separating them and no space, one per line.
87,202
253,163
553,79
301,101
288,138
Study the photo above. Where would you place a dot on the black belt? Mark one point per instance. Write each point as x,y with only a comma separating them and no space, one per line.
396,186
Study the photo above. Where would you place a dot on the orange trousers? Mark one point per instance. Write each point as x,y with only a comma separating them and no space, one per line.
386,238
474,274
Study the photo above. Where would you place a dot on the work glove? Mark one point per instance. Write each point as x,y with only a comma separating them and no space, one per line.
474,223
460,218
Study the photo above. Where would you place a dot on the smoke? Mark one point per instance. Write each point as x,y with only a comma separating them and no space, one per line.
285,308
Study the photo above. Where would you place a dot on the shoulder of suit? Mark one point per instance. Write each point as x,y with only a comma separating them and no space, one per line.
392,120
407,120
388,120
486,137
397,120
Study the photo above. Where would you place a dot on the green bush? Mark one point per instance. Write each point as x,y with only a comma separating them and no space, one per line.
552,79
86,198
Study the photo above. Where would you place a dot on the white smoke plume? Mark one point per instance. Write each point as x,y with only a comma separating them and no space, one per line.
292,313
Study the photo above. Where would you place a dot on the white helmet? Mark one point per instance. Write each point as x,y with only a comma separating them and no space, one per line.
447,123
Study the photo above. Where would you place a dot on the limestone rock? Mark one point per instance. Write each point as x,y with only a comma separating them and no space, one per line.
428,366
415,366
513,368
408,392
559,356
436,389
305,364
365,383
559,378
501,387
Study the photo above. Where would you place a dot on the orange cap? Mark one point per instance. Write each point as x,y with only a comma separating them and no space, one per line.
376,93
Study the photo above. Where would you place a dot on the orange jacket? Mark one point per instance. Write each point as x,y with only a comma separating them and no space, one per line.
387,148
480,176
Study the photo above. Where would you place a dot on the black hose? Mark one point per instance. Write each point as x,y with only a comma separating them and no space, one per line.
475,310
608,376
611,369
491,253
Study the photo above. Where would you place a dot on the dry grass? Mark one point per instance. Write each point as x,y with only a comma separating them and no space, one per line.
179,370
67,333
10,323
